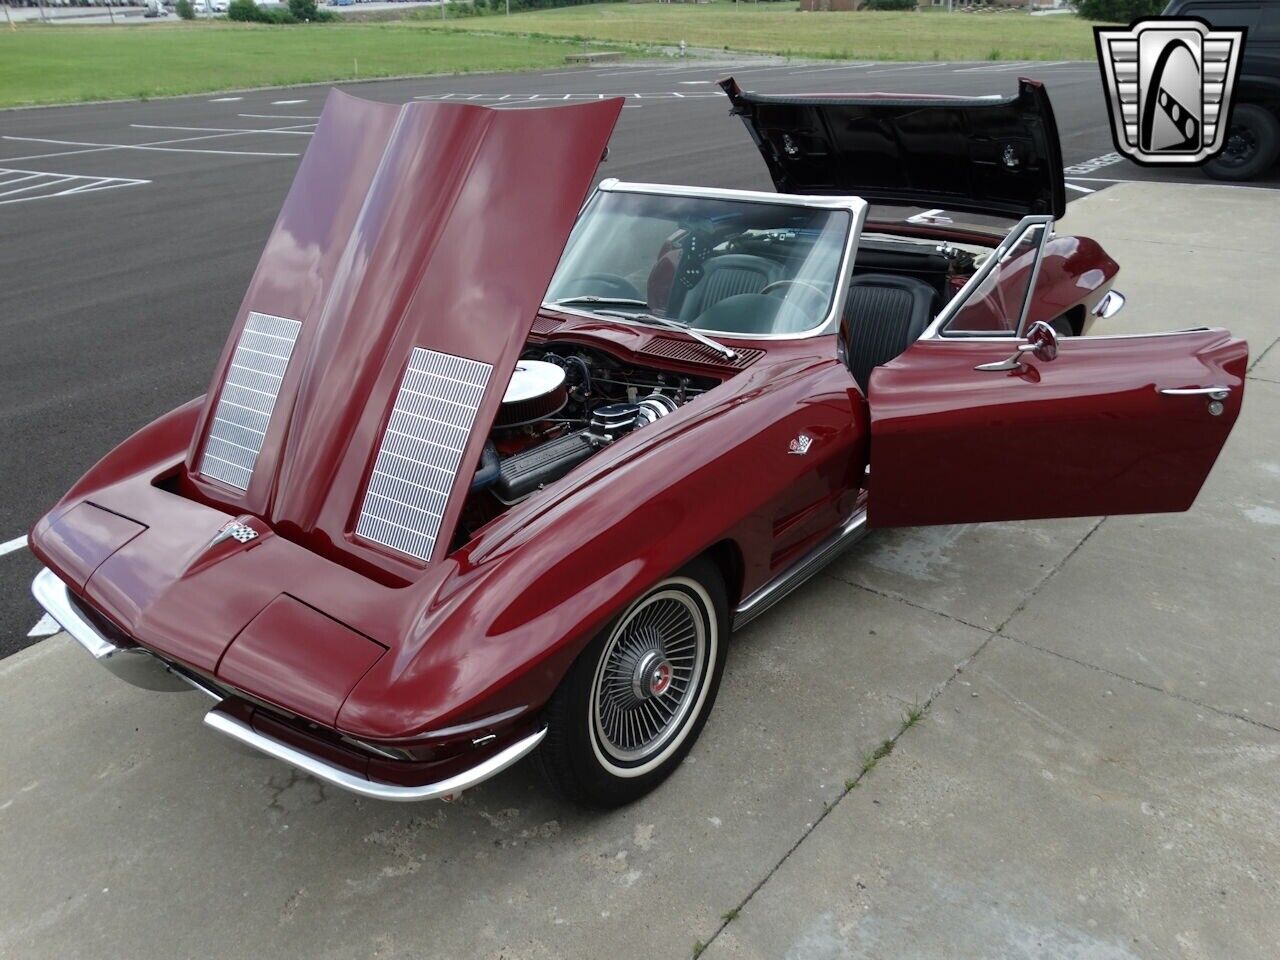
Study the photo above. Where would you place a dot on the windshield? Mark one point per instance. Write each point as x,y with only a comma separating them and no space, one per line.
723,266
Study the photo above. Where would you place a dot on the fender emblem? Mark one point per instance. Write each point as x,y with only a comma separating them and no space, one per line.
234,530
800,445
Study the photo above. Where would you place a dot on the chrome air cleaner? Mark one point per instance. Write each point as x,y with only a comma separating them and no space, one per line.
537,390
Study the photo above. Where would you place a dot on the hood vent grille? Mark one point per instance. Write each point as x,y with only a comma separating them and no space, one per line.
545,326
689,351
248,396
421,449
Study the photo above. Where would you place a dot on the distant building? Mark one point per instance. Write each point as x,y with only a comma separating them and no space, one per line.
843,5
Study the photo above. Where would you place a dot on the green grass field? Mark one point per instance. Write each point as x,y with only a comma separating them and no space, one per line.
45,64
780,28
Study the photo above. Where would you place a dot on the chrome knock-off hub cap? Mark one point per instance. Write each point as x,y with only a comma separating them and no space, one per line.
652,676
649,675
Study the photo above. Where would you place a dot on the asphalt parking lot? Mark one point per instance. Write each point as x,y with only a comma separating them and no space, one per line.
1094,771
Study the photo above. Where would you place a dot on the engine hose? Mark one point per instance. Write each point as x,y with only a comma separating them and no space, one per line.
489,468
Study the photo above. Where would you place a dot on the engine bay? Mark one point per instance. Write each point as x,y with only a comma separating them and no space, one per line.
564,403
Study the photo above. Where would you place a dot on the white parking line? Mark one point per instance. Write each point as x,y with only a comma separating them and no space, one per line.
1096,163
994,67
843,66
13,180
277,116
703,69
1073,186
934,216
1182,183
286,103
289,130
153,146
46,626
17,543
753,68
53,179
916,66
53,185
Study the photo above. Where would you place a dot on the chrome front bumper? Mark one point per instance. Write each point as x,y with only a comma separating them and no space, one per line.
141,668
443,790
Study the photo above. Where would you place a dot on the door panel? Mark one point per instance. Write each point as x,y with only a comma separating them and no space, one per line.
1086,434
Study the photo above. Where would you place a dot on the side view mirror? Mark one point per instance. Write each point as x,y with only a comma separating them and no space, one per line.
1042,343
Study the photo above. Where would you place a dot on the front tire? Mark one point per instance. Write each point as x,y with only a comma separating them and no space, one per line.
635,701
1253,143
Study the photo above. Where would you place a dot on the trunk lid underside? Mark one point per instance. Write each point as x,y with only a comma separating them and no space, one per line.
987,155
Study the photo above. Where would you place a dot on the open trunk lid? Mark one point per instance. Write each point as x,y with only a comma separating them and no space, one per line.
986,155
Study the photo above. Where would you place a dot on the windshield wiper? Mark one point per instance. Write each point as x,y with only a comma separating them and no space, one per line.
718,347
616,301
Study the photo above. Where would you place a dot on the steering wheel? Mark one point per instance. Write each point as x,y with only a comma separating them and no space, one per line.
607,284
769,288
819,297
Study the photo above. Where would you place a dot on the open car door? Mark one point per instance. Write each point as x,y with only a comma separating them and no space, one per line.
976,421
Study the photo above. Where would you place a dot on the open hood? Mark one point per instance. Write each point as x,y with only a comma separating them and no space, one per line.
985,155
395,293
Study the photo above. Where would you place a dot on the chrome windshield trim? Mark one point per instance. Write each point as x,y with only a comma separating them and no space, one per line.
614,185
239,730
856,207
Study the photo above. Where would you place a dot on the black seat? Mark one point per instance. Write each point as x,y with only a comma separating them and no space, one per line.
886,313
728,275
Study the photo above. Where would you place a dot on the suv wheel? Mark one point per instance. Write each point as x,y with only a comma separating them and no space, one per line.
1253,143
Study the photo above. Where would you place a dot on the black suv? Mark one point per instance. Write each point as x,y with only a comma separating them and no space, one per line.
1253,138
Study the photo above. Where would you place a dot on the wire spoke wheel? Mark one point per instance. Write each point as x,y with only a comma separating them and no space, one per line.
636,698
649,676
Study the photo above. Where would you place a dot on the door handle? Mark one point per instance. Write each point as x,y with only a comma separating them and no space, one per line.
1213,393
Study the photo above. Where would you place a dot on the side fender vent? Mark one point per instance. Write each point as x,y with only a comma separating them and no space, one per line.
422,446
248,396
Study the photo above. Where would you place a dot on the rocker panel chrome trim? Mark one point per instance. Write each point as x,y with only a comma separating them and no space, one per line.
853,530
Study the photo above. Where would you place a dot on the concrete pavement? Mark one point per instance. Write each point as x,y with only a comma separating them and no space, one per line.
1093,773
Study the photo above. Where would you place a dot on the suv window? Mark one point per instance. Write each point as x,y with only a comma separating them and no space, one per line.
1223,14
1269,29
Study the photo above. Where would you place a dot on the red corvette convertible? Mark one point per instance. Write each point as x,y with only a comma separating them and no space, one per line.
484,471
